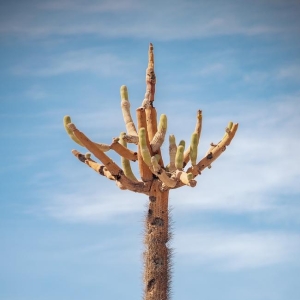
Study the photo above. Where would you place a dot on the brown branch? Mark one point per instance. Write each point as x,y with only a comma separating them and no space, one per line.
132,139
108,162
161,174
151,120
185,178
111,166
172,152
123,151
215,152
150,79
101,169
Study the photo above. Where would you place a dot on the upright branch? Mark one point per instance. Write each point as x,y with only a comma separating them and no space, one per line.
145,172
150,80
197,132
125,105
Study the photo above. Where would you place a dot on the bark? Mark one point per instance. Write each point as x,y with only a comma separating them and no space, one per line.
157,254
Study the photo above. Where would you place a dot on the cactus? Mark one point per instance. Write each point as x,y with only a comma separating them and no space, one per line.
156,180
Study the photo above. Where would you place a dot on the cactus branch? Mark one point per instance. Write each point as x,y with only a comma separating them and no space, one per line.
132,139
109,164
179,157
161,174
123,151
145,172
197,131
185,178
113,168
159,136
125,162
144,148
150,76
67,121
172,152
151,119
194,149
215,152
101,169
125,105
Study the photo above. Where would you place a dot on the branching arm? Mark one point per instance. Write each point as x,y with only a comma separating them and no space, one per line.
125,105
123,151
216,151
101,169
145,172
197,131
185,178
67,121
159,136
150,80
161,174
172,152
112,167
125,162
132,139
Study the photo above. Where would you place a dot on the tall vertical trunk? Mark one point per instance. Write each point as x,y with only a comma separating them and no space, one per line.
157,253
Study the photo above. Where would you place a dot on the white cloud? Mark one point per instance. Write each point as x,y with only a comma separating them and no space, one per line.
85,60
154,20
213,69
236,250
36,93
91,7
289,72
95,204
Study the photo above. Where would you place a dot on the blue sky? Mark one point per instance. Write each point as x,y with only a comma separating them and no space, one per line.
67,233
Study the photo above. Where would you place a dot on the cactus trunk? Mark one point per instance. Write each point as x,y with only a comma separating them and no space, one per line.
157,254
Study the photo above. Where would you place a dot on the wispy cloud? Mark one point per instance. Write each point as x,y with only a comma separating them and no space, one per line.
289,72
92,7
35,93
99,206
86,60
155,20
237,250
213,69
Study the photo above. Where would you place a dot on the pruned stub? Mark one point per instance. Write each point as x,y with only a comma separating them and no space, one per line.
157,253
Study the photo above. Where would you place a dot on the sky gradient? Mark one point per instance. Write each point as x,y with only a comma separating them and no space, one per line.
67,233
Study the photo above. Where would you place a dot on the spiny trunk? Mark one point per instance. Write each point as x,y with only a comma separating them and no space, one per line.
157,253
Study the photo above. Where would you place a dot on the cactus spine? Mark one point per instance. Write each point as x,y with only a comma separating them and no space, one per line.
155,181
